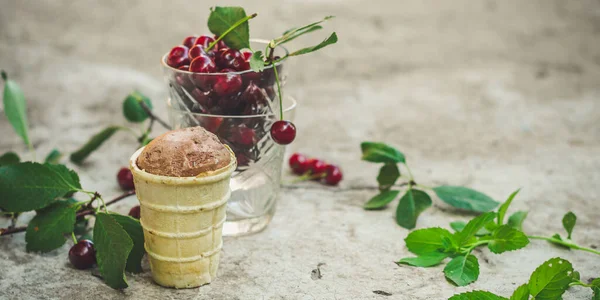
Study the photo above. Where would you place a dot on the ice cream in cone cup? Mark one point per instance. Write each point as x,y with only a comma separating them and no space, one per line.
182,216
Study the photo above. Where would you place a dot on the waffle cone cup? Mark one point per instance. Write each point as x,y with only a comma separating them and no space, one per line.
182,219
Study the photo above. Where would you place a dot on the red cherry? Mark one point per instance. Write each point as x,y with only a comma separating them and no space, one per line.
334,175
196,51
227,84
189,41
212,124
242,160
253,94
125,179
178,56
317,167
184,68
246,54
203,64
283,132
82,255
203,98
134,212
221,44
204,41
299,163
243,136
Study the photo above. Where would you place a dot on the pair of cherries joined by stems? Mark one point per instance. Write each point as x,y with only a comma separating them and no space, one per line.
313,168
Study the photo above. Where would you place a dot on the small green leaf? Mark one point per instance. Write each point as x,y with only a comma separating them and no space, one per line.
381,153
133,110
134,230
428,240
462,270
222,18
46,230
332,39
428,260
477,295
596,288
31,186
53,157
516,220
381,200
551,279
113,246
474,226
504,207
521,293
506,238
94,143
15,108
257,63
465,198
450,245
411,205
293,33
388,174
460,225
569,221
9,158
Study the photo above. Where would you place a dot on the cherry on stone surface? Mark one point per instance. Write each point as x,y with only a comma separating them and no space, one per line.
283,132
82,255
227,84
333,175
299,163
134,212
125,179
189,41
317,166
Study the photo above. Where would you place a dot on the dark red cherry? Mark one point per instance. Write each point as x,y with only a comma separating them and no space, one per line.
229,58
243,136
333,175
221,44
317,167
189,41
184,68
204,41
299,163
196,51
125,179
134,212
283,132
203,98
228,102
82,255
212,124
246,54
227,84
178,56
253,94
203,64
242,160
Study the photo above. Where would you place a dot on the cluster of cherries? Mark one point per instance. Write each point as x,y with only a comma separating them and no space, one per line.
219,81
83,255
313,168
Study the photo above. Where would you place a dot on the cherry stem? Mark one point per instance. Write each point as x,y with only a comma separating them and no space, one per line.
278,91
308,176
74,238
153,116
89,211
238,23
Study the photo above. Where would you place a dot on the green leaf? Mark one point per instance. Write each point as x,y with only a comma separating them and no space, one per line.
113,246
381,200
465,198
31,186
564,245
426,241
15,108
477,295
450,245
596,289
521,293
411,205
381,153
133,110
332,39
516,220
222,18
506,238
388,174
474,226
46,230
460,225
53,157
551,279
9,158
257,63
462,270
94,143
293,33
569,221
135,232
429,260
504,207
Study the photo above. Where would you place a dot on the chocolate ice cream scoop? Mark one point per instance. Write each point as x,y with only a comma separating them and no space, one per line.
185,152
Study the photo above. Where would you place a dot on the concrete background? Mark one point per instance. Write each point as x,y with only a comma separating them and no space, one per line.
494,95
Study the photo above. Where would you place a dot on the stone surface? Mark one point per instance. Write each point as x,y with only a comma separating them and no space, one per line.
494,95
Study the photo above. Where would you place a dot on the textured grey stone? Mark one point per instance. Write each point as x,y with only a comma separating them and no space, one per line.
494,95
